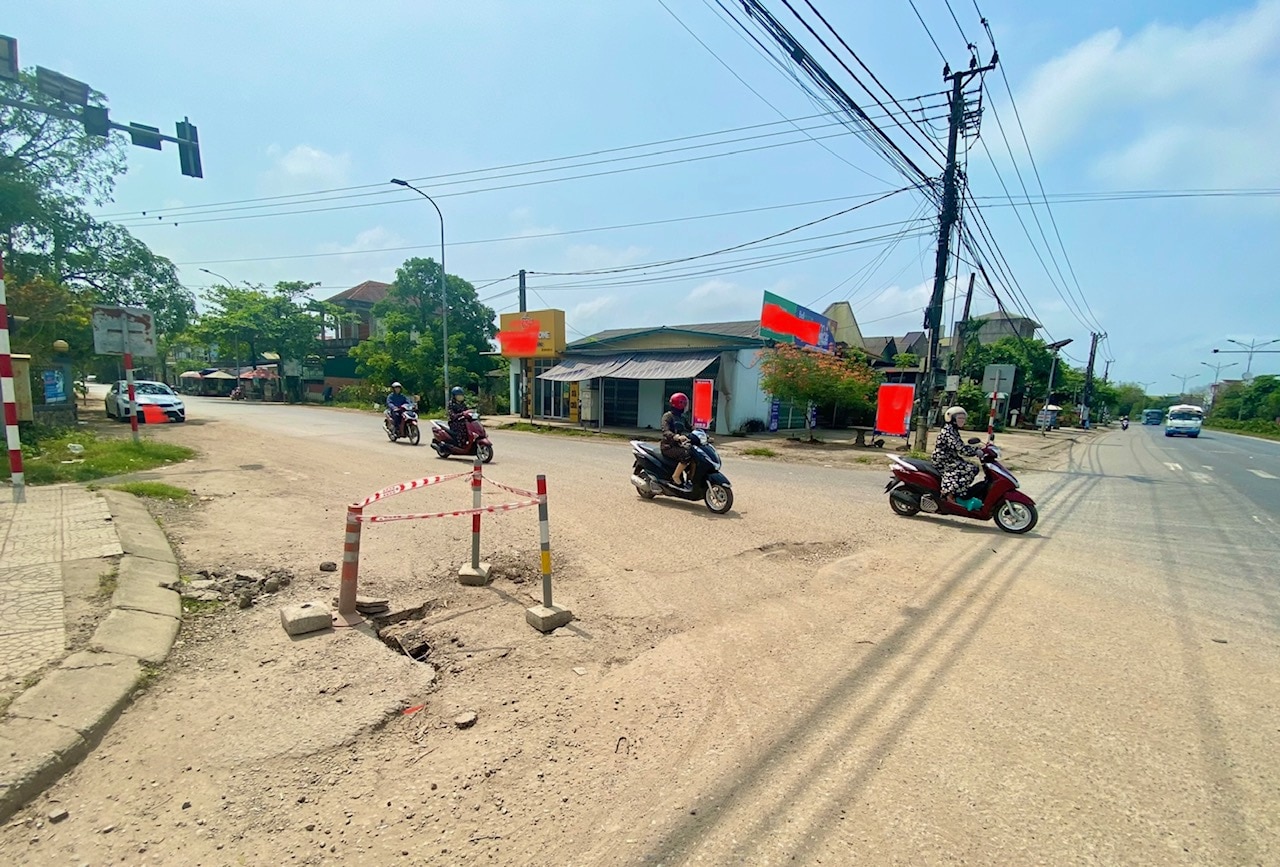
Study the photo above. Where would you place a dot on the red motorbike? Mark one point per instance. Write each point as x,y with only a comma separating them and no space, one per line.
442,439
916,487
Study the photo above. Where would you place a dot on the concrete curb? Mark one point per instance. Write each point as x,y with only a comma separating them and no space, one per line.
52,726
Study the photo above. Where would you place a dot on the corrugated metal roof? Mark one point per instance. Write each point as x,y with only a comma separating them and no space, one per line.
633,365
747,329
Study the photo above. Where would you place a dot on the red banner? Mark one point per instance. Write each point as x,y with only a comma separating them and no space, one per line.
522,340
702,403
893,408
774,318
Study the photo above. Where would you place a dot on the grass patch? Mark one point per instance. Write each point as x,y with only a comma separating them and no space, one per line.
54,462
200,606
150,674
562,431
154,490
1253,428
107,582
919,455
760,452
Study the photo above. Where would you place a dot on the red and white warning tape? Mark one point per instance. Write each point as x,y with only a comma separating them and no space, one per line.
392,490
510,490
503,507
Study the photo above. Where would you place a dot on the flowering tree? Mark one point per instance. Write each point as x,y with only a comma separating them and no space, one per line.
807,376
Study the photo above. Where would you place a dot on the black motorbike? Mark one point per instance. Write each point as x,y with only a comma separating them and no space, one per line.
651,474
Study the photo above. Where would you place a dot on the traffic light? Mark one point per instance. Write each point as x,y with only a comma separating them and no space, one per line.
189,149
145,136
9,58
95,120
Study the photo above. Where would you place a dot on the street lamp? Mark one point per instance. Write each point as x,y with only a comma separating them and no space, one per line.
1184,379
444,298
235,352
1217,376
1250,348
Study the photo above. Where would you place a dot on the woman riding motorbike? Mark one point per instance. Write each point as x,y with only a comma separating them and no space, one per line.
949,457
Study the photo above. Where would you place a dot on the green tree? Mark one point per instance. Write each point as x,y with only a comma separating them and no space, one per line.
805,376
50,172
407,345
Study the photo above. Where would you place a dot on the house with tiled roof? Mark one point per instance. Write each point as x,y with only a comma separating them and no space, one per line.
358,300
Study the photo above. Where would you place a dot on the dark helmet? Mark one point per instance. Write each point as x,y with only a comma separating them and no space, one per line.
456,391
680,400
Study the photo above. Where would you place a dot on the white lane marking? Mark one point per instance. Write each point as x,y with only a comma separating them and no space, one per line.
1256,518
1207,467
1174,467
1202,478
1261,474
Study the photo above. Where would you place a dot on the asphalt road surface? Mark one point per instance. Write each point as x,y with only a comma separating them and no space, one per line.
812,679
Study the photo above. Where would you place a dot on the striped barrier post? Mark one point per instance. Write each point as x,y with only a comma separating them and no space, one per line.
10,396
476,574
350,568
547,616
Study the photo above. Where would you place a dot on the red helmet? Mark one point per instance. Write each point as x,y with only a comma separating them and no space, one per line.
680,400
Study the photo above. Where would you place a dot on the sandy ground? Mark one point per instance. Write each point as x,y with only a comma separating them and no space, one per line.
809,680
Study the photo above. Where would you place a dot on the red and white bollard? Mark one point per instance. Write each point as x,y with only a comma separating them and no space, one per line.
10,396
476,574
347,615
548,616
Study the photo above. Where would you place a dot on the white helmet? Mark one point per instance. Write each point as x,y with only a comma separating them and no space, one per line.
953,412
396,385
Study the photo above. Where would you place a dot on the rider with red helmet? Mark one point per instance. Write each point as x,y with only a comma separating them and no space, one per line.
675,439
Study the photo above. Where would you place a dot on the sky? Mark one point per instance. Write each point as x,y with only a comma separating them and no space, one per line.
574,138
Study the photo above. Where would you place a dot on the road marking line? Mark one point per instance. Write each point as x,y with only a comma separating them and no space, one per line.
1203,478
1261,474
1207,467
1256,518
1174,467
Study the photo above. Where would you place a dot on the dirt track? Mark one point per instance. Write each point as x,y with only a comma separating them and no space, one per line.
809,680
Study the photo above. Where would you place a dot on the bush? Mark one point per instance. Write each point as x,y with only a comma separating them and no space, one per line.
1256,426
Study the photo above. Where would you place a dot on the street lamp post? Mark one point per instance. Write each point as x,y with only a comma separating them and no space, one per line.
1184,379
235,351
1217,375
1250,348
444,298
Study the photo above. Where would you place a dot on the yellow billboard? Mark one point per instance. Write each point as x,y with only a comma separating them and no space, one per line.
532,334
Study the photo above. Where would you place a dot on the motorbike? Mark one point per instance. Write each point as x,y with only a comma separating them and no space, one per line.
408,428
237,393
477,443
651,474
916,487
1124,424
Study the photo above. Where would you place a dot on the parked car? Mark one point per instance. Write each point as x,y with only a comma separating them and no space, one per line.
146,393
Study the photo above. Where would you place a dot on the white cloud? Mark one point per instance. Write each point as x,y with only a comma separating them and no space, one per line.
720,300
588,257
1192,106
305,163
376,238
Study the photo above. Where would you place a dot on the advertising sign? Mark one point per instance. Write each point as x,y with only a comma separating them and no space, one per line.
787,322
533,334
117,330
893,408
702,394
775,408
55,386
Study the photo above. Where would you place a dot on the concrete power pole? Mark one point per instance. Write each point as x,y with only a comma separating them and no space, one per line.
946,224
1087,397
526,403
957,343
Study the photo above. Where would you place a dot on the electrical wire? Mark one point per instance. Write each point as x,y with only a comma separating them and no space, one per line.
927,30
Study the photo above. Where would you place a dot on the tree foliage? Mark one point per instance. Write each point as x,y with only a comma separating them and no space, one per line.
51,171
1258,400
805,376
407,345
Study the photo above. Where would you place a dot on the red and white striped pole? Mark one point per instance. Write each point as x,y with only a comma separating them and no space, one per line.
128,378
350,567
10,396
544,540
477,481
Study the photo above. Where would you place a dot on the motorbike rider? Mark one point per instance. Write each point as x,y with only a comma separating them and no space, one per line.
457,410
675,438
949,455
396,402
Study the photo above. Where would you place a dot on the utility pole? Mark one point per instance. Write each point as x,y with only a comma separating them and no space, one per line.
957,342
1250,348
1106,371
1087,397
946,223
525,400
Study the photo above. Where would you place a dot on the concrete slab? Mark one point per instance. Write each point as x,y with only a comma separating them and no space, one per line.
474,577
144,636
546,619
304,618
157,573
86,699
139,533
140,593
33,754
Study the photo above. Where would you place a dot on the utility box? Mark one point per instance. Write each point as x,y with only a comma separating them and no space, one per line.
589,398
22,387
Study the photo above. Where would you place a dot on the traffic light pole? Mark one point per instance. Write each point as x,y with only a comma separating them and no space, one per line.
10,396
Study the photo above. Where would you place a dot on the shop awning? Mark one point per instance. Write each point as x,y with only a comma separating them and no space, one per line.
633,365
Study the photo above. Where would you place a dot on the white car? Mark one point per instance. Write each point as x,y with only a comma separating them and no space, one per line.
146,393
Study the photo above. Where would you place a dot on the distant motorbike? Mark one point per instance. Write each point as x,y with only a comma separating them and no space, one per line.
237,393
478,443
651,474
408,428
1124,424
916,487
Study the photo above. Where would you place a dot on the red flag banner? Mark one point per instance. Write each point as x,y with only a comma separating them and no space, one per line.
774,318
702,389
